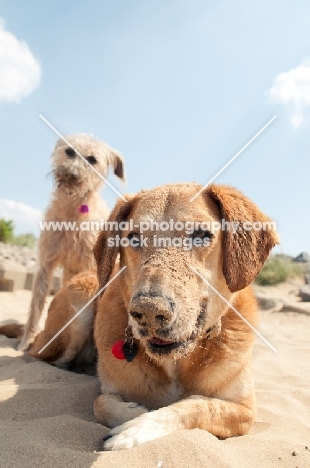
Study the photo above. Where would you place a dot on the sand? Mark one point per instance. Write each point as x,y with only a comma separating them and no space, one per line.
46,414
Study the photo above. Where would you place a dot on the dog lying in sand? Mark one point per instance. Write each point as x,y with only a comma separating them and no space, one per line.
171,353
75,199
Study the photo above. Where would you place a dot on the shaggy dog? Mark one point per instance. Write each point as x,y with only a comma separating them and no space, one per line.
172,352
75,199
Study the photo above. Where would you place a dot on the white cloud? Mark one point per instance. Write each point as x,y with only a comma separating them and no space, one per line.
25,217
20,71
292,90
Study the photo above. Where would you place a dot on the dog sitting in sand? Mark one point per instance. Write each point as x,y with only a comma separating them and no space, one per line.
172,351
76,199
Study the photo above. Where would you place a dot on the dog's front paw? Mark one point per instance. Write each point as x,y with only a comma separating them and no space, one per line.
147,427
25,343
111,410
27,337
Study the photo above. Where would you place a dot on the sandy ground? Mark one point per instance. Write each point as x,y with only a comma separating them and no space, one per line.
46,414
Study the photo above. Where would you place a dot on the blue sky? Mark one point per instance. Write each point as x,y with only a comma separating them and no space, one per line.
177,86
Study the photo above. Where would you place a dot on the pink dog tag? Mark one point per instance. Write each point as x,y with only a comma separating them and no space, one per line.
83,209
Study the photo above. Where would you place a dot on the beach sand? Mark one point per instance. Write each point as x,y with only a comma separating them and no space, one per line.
46,414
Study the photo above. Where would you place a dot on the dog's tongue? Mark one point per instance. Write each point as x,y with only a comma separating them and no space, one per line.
158,342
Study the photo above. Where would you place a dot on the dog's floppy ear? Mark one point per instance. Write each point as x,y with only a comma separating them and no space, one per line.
105,254
245,251
117,161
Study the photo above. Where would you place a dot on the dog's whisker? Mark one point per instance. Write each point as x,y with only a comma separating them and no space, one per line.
50,174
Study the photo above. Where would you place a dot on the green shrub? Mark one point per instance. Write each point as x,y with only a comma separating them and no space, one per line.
7,235
25,240
277,270
6,230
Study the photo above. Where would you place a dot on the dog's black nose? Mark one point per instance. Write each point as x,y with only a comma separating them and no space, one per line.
151,309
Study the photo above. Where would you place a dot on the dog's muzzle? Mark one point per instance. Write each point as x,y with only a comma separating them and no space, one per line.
154,314
66,177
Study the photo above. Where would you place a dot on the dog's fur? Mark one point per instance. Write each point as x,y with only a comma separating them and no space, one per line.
76,184
202,380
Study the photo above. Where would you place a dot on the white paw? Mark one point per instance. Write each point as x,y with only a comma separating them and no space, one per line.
146,427
132,404
27,340
23,345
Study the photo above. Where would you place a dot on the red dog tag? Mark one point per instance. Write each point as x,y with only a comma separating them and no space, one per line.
124,350
117,349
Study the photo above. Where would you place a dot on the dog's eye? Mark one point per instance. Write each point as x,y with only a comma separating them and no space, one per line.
70,152
134,239
91,159
201,234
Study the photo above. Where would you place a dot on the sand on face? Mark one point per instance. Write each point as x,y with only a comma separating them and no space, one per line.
46,414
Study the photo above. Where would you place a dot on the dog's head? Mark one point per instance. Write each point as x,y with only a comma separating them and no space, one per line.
75,176
170,305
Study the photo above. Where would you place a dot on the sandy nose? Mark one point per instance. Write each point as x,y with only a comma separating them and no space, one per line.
152,310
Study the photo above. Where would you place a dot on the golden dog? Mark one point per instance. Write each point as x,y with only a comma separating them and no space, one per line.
187,352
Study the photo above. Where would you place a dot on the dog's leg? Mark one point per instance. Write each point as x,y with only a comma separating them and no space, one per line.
111,410
53,352
220,418
39,293
12,330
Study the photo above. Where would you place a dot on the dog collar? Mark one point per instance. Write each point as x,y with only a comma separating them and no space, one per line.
83,209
